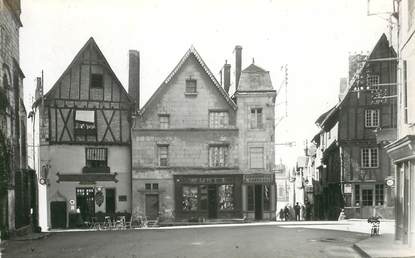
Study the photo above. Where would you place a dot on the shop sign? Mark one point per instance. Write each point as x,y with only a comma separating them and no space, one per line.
347,188
205,180
259,179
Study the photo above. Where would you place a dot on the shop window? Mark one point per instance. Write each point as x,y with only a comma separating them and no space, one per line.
203,197
267,197
379,194
256,118
250,190
189,198
163,155
371,118
369,158
256,157
218,119
225,193
218,156
164,121
97,80
191,86
85,123
357,195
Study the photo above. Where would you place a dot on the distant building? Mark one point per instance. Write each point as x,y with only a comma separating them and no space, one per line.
354,136
402,151
200,154
17,181
82,128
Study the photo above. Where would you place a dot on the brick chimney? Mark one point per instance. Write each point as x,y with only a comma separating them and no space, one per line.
238,65
227,76
134,77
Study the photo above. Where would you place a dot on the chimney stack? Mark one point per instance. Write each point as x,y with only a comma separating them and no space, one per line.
238,65
227,76
134,77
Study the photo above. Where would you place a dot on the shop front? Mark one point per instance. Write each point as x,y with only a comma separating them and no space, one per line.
200,197
258,191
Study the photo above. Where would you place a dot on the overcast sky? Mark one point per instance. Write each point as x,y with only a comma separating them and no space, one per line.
314,38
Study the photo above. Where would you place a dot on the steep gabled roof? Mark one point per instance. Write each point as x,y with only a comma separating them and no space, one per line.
165,83
90,43
252,68
355,78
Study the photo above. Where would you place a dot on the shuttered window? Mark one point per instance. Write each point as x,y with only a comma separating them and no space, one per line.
96,157
256,157
256,118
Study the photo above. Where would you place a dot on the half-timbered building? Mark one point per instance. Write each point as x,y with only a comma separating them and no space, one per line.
365,118
83,130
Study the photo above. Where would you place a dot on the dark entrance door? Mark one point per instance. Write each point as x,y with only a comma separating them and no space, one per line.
110,200
85,202
258,202
212,202
58,214
152,206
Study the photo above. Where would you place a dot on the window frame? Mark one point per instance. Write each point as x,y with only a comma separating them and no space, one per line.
372,81
379,194
162,116
216,116
254,122
369,117
90,162
188,86
93,81
250,156
225,155
370,154
159,148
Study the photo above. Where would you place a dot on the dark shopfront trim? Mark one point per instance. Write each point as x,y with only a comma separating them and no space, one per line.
211,182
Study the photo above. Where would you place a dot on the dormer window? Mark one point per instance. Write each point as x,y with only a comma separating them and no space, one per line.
97,81
191,86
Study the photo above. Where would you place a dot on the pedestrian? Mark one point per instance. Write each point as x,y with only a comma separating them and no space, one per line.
342,215
282,214
286,212
297,210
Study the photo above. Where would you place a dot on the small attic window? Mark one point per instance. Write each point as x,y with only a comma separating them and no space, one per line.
97,80
191,86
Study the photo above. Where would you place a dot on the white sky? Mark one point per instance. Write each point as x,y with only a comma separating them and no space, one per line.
313,37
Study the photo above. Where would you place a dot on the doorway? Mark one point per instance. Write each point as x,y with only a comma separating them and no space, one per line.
212,202
367,203
258,202
58,214
110,200
152,206
85,201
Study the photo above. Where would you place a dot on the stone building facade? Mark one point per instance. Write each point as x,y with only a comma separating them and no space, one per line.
402,151
195,154
17,182
83,130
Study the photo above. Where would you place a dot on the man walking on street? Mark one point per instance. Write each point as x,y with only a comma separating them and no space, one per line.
297,210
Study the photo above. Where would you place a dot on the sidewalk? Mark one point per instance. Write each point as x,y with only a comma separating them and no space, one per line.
383,246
